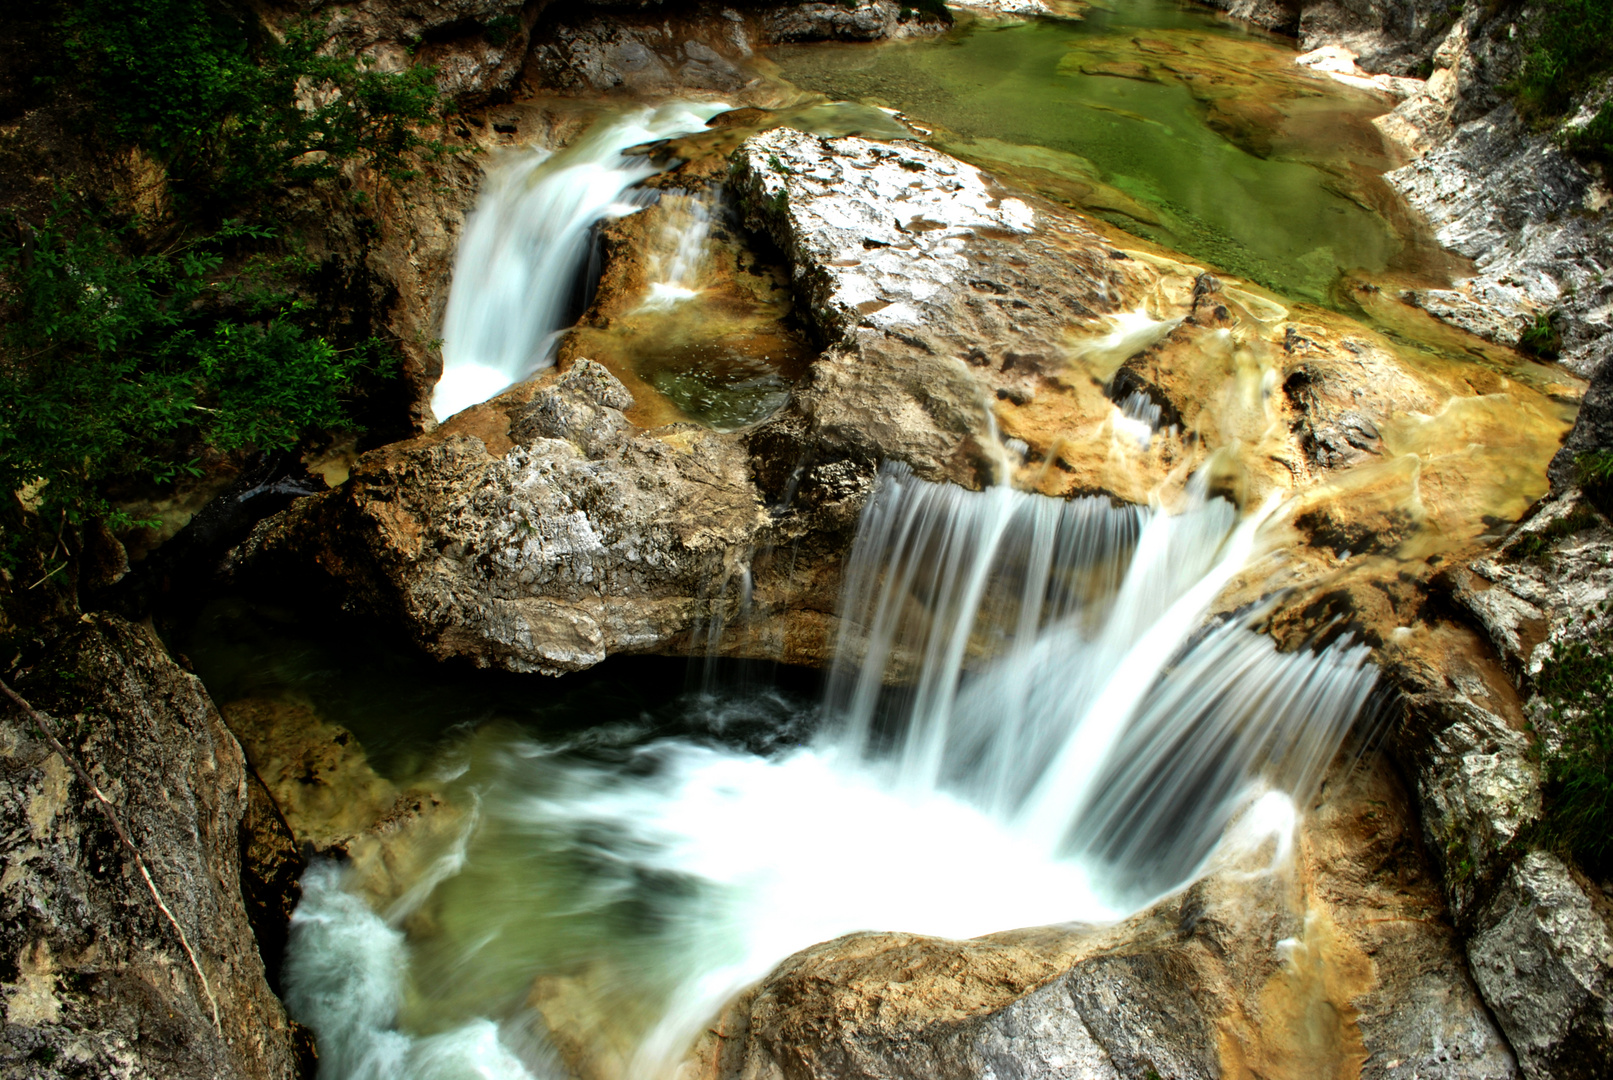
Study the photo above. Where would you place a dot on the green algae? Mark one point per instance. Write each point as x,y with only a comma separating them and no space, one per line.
1169,122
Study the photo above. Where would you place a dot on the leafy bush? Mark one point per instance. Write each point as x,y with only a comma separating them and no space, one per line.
1595,139
117,365
1569,47
120,362
1577,687
231,110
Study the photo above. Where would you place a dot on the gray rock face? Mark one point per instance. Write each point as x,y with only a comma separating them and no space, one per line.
476,45
1533,220
701,47
94,979
1389,36
591,53
869,20
1543,957
1593,430
577,536
935,291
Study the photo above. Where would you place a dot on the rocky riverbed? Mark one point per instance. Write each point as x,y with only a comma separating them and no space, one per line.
978,334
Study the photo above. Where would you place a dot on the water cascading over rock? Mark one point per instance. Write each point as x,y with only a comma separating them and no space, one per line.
1061,678
526,246
1032,724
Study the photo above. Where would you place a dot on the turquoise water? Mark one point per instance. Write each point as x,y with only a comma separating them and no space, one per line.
1174,124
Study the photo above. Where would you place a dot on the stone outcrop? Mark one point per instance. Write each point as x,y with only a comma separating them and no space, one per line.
96,982
1336,965
477,46
1533,220
696,48
541,532
1531,217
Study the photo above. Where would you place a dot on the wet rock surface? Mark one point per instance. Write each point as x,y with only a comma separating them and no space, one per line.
1339,966
496,540
703,48
95,979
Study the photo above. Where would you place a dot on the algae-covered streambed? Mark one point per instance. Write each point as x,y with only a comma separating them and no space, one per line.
1163,118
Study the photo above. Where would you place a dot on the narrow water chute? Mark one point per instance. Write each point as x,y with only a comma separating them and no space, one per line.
526,244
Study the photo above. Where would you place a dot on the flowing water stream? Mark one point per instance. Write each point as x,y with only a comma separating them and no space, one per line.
1073,734
1029,720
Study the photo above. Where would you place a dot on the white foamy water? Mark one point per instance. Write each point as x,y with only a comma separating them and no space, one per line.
525,247
679,254
1028,722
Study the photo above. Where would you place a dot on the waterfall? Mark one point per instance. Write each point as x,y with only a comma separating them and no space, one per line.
1031,718
679,254
526,245
1050,665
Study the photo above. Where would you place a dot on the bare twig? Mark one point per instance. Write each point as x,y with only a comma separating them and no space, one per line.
117,827
48,575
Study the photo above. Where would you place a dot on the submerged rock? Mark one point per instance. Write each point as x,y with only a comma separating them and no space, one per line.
95,979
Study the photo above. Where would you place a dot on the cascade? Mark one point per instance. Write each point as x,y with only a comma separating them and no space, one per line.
1029,720
526,246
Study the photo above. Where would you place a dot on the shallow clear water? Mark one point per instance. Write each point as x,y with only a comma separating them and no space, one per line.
1175,124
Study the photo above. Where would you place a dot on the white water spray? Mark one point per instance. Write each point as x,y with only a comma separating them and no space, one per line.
1028,722
679,255
526,245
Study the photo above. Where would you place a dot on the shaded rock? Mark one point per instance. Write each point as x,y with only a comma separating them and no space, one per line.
476,45
699,47
325,799
271,868
95,979
1592,433
1543,955
869,20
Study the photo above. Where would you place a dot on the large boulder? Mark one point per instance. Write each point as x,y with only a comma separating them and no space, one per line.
96,980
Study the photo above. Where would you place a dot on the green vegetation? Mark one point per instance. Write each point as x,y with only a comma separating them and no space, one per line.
130,349
1570,47
1537,545
233,112
1577,687
1595,139
1595,469
1541,338
119,365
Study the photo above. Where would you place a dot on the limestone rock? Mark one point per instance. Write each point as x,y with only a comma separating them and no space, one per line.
1532,219
95,980
937,293
1543,955
476,45
536,553
869,20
